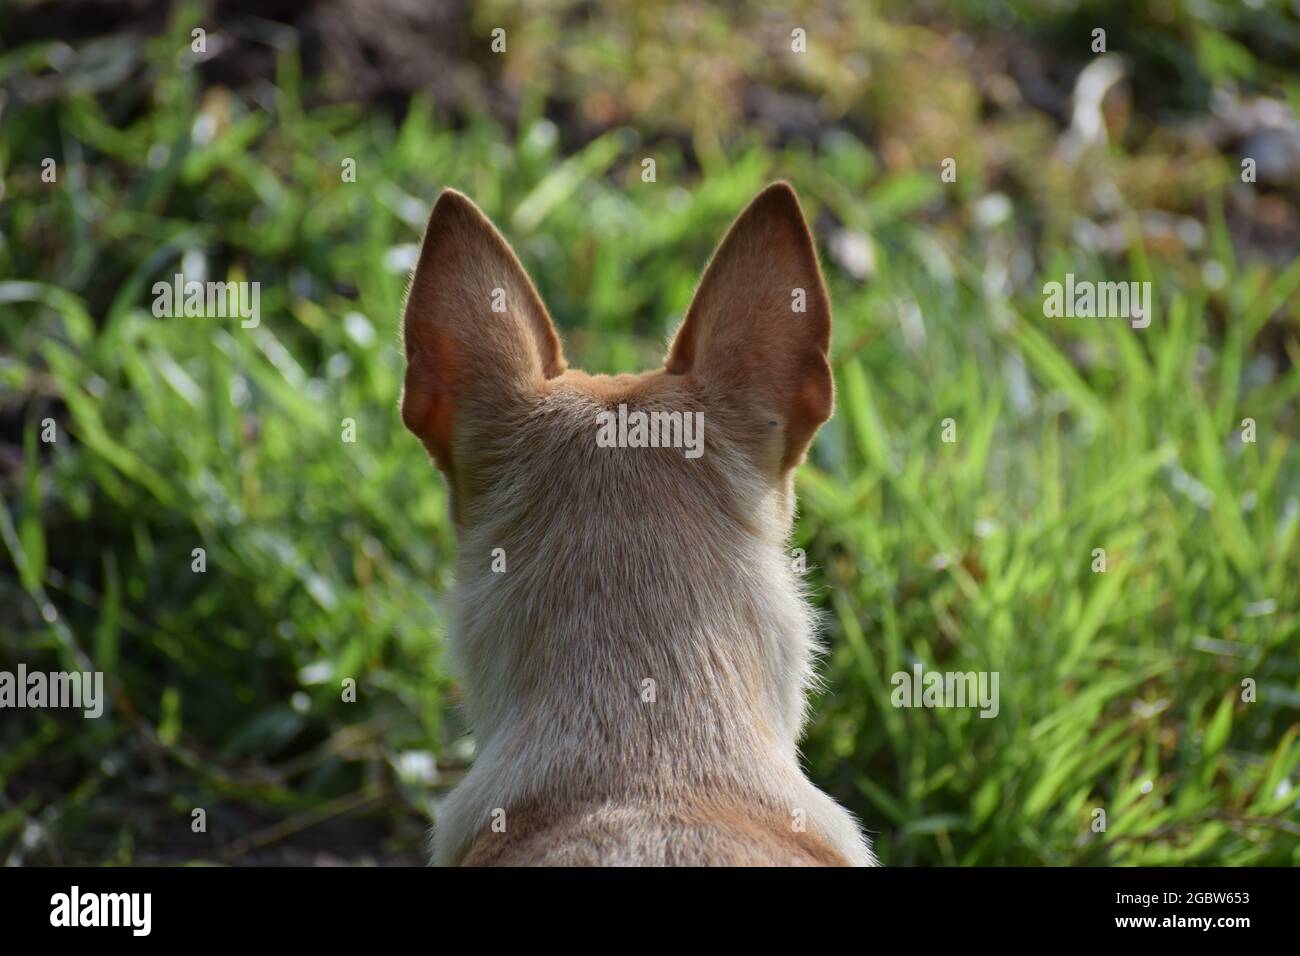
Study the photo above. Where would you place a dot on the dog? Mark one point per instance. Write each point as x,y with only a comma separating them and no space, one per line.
632,638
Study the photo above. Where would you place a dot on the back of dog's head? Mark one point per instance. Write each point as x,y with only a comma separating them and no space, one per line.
488,391
623,528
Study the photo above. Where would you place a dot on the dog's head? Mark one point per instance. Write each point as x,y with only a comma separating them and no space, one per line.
488,392
604,549
621,538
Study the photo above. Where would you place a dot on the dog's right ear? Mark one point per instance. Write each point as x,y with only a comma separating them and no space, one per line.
478,339
757,334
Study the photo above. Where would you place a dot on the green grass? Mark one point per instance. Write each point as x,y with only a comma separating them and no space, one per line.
327,560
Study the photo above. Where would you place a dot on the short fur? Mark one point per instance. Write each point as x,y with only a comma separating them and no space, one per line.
628,564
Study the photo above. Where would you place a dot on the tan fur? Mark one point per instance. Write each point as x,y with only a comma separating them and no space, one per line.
628,564
628,834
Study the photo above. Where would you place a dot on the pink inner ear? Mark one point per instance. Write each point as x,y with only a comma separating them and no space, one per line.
428,407
811,408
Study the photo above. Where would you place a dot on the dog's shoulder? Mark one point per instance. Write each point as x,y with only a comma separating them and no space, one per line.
635,834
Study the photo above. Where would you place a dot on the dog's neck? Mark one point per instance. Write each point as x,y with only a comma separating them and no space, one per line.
640,643
659,657
621,636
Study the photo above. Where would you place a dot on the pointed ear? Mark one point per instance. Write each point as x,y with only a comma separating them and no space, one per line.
747,342
477,337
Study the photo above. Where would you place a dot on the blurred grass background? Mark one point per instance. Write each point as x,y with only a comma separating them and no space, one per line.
328,560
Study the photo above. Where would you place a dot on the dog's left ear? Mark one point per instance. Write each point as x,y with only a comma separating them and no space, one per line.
479,342
757,335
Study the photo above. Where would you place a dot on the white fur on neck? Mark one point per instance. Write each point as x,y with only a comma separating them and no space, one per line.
608,591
